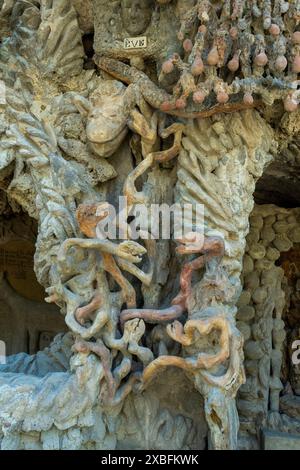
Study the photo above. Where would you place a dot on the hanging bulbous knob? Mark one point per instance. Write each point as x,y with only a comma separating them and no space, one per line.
187,45
281,63
234,63
197,66
290,104
296,37
248,98
166,106
199,96
261,59
167,67
180,103
222,97
202,29
274,30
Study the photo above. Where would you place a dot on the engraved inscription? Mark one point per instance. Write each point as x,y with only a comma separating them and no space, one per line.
135,43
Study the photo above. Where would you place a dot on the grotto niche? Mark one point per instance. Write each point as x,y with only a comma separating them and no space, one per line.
163,343
22,297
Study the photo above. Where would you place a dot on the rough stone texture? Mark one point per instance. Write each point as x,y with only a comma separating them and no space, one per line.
268,370
154,357
21,297
84,10
280,182
280,441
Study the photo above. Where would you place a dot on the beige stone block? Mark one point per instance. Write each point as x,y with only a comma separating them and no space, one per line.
272,254
244,299
252,281
267,234
257,251
282,242
248,264
294,234
244,329
256,221
245,313
259,295
253,237
270,220
263,264
253,350
281,226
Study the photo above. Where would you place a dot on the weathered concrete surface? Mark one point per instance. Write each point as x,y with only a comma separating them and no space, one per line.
184,101
273,440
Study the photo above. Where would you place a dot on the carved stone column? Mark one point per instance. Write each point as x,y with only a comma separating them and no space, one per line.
221,160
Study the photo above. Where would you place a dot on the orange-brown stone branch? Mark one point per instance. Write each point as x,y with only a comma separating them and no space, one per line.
230,347
86,313
88,217
211,247
153,315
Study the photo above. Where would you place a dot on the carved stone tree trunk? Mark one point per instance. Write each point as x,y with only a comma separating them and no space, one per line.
221,160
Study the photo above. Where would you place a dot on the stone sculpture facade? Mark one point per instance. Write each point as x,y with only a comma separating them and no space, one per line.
177,101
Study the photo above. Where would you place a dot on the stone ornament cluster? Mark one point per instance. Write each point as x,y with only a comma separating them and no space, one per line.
237,48
226,56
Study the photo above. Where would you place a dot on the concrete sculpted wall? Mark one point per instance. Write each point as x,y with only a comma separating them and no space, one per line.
156,102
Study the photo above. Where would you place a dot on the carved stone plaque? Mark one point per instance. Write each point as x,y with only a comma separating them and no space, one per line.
129,28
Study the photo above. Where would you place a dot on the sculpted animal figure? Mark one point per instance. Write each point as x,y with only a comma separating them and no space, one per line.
113,109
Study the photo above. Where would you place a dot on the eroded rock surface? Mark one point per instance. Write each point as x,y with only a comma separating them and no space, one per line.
163,343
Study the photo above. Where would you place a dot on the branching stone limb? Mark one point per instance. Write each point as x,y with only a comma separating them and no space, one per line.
152,315
133,333
130,192
159,364
235,375
86,313
128,291
122,370
204,327
138,124
126,389
131,268
88,217
127,250
202,365
169,154
211,247
100,320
